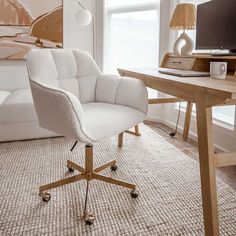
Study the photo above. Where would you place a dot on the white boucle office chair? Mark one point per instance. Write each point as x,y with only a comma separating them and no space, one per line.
72,98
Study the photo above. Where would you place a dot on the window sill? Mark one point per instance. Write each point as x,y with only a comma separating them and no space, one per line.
217,121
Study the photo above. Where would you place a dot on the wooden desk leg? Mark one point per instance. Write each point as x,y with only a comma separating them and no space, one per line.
207,169
187,120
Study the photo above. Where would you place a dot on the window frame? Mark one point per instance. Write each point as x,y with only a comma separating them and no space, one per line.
216,121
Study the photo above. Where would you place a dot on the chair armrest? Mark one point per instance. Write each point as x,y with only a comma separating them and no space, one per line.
59,111
133,93
122,91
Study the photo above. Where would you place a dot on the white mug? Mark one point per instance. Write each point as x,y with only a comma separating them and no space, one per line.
218,70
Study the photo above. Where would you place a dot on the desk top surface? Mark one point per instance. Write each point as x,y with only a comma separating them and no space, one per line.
228,85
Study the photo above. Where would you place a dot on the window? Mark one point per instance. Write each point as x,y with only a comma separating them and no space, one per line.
131,35
223,114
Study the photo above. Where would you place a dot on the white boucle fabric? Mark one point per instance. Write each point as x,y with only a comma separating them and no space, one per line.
65,63
75,100
87,88
70,85
59,111
107,88
42,67
104,120
132,93
85,64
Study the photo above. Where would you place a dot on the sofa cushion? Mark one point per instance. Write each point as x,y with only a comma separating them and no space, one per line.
104,120
3,96
18,107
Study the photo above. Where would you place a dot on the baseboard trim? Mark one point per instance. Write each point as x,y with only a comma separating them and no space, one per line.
192,135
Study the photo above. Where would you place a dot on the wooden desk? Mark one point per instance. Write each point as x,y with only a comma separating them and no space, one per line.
206,93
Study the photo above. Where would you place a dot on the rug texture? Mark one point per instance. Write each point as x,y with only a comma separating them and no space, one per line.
168,181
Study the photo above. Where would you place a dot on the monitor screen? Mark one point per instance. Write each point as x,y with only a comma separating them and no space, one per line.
216,25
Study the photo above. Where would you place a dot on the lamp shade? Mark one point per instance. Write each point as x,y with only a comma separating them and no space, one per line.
184,17
83,17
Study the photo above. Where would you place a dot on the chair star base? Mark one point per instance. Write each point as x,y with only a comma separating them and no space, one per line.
88,173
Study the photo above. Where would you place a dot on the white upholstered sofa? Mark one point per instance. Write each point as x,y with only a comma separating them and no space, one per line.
18,119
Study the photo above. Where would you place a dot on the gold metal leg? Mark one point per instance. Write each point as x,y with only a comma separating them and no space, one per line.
103,167
120,140
136,132
113,181
88,173
61,183
88,162
75,166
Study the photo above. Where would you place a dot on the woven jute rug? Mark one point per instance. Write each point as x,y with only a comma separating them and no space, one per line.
169,202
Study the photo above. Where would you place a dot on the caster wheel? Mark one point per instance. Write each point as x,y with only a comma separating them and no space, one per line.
114,168
70,169
89,219
46,197
134,194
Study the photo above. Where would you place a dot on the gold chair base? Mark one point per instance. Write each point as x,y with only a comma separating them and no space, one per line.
88,173
136,132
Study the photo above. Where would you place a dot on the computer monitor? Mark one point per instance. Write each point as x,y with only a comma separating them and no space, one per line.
216,25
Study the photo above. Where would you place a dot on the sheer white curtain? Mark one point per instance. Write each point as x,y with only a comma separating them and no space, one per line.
145,22
131,34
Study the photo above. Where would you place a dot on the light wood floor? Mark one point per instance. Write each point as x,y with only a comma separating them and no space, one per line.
190,148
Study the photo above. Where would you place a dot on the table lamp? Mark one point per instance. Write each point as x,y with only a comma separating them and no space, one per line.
184,18
84,17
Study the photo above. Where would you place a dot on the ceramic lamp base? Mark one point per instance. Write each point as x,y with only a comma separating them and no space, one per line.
187,48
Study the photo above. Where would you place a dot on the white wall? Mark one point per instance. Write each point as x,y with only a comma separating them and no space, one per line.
167,36
76,36
37,8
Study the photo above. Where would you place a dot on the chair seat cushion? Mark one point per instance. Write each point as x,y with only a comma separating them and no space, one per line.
18,107
104,120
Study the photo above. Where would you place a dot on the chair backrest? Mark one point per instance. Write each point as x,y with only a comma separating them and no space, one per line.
74,71
60,81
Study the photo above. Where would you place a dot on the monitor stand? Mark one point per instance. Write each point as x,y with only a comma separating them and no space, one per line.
223,53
